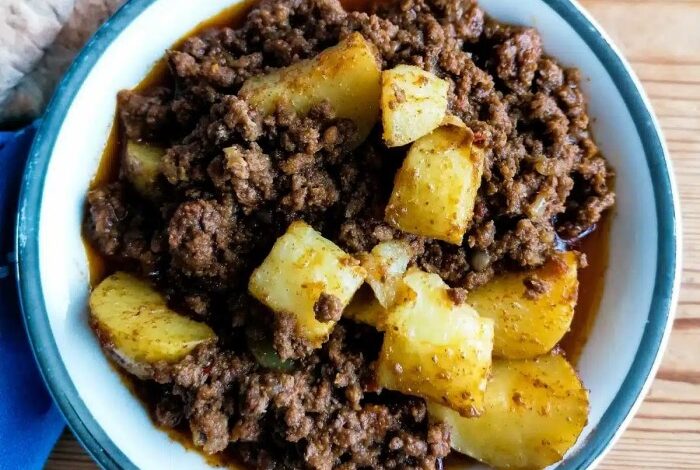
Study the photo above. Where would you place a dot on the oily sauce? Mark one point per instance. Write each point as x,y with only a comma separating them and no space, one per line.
594,246
590,289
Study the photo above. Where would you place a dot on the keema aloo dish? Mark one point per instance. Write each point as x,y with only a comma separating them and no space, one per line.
346,239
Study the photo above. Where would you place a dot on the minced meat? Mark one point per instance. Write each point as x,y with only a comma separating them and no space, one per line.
232,180
328,308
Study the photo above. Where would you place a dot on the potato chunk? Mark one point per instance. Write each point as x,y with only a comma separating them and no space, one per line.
136,326
530,323
385,266
300,268
414,103
535,410
347,75
141,166
435,188
434,348
365,308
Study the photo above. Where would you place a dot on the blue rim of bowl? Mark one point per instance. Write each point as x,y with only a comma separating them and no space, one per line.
108,455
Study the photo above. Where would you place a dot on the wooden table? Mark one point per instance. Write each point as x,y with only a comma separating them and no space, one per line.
662,41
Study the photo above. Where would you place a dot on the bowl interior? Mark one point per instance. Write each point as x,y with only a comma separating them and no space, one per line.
81,127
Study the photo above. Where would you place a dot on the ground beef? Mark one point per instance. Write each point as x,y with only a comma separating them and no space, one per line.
129,237
535,287
287,341
145,115
457,295
207,240
233,180
328,308
105,221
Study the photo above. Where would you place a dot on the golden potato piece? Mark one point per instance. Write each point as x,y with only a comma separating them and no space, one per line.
300,268
365,308
136,326
414,103
435,188
435,348
452,120
530,324
534,411
141,166
347,75
385,266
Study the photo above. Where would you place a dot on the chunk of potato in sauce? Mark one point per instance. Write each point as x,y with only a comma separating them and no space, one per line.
141,166
302,266
365,308
385,265
530,321
347,76
414,103
136,327
435,348
435,189
534,411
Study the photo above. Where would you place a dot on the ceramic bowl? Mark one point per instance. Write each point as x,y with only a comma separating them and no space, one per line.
636,311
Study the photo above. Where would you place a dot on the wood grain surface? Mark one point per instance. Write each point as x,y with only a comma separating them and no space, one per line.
661,38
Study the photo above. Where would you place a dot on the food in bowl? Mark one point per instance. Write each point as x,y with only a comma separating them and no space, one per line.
347,239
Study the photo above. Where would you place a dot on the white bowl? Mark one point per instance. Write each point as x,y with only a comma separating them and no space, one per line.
641,287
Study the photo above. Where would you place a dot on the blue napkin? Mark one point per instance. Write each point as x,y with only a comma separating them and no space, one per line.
30,423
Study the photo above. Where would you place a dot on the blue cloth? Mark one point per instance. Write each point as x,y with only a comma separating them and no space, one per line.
30,423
